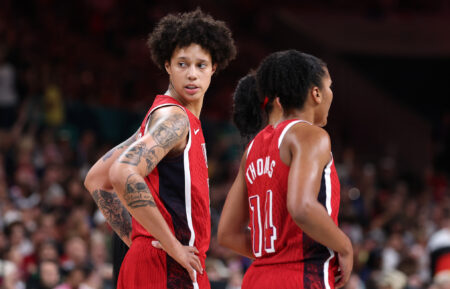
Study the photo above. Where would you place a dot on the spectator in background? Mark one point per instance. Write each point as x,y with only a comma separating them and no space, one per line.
392,279
48,276
439,250
75,254
14,264
9,274
18,239
46,251
75,278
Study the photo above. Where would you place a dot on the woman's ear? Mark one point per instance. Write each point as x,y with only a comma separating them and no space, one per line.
167,67
277,102
315,94
214,67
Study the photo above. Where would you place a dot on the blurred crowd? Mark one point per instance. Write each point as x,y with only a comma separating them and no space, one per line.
51,233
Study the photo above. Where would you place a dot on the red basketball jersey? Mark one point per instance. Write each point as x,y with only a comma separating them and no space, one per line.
181,191
277,240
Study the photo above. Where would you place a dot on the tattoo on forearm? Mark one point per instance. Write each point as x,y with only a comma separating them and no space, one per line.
126,143
114,211
169,132
137,193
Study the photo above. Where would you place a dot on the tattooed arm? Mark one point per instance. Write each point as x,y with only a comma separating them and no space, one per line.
98,184
167,134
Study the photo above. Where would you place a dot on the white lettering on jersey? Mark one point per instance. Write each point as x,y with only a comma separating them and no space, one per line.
264,166
260,166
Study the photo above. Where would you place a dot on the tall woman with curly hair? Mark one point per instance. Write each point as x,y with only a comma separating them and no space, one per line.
160,174
287,189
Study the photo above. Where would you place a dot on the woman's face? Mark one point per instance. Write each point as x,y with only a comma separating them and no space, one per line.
190,71
327,98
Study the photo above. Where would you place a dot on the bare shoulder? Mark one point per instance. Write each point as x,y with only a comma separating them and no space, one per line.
309,138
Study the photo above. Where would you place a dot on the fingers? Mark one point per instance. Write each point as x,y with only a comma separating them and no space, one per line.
157,245
340,283
193,249
194,267
345,266
192,274
196,264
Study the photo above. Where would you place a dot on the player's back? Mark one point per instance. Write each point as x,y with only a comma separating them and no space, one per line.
278,242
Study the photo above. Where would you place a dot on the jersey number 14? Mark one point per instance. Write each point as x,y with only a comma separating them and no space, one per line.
262,236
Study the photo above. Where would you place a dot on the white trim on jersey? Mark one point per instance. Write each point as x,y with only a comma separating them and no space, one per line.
155,108
249,148
187,194
325,269
327,176
280,140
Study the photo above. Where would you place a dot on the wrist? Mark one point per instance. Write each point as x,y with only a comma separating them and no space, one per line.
347,248
173,247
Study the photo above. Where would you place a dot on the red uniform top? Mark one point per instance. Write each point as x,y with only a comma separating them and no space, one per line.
275,236
181,191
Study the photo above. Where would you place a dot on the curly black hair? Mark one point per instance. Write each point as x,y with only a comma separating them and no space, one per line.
247,113
183,29
289,75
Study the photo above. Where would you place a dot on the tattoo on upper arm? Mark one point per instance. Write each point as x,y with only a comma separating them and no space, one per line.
114,211
170,130
126,143
151,158
166,134
109,154
137,193
134,154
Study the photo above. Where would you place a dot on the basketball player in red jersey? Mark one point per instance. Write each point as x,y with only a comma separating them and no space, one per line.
160,174
287,189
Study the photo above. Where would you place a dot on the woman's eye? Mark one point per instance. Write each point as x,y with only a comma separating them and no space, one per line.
202,65
181,64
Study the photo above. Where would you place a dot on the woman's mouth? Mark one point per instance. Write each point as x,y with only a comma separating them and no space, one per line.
191,89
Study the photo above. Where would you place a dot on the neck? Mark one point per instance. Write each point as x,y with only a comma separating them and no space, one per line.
275,115
307,115
194,107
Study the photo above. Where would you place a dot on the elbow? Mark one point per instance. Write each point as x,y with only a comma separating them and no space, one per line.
115,174
223,236
118,174
301,213
89,181
224,241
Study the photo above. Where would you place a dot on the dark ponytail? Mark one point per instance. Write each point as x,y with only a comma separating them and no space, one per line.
248,116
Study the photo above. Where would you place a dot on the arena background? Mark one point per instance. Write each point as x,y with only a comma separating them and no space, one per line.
76,78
